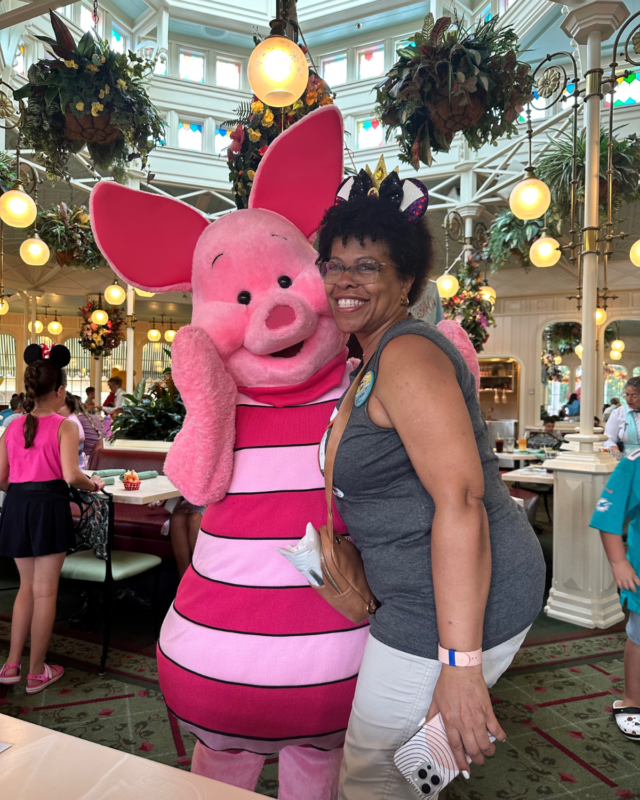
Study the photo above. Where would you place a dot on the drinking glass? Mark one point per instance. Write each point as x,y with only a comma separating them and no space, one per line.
499,445
509,444
522,443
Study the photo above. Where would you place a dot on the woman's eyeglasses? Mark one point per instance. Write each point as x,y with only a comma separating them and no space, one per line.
363,271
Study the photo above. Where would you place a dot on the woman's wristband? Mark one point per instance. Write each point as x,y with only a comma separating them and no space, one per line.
456,658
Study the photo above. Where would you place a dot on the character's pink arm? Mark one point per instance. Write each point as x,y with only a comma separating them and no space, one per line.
457,334
200,461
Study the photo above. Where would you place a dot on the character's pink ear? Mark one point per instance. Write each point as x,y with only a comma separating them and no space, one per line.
301,171
148,240
457,334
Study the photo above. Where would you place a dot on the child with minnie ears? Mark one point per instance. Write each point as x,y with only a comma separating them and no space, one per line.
38,458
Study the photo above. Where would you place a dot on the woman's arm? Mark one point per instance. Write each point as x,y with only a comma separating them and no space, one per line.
611,430
416,382
73,475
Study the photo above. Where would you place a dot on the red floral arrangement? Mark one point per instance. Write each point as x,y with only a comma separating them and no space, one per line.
101,339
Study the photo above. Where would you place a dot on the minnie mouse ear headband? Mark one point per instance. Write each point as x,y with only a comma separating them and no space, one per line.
410,196
58,355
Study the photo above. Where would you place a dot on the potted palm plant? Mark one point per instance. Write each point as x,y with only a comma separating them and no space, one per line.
449,79
88,95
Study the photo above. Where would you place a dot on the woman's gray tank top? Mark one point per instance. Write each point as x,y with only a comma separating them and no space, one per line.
389,514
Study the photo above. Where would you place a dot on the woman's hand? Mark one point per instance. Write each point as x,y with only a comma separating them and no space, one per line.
97,482
625,575
462,698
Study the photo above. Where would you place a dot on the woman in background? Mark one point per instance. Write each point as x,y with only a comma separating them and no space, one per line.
68,410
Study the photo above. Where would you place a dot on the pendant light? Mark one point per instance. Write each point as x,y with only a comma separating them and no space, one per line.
557,360
4,306
115,294
634,253
447,285
39,327
530,198
170,334
100,316
545,252
17,208
618,345
34,251
616,355
488,294
153,334
278,71
55,327
142,293
578,351
601,316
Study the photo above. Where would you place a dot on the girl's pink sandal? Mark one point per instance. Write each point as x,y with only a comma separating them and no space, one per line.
46,678
10,679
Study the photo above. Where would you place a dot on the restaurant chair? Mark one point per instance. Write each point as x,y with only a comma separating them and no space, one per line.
93,560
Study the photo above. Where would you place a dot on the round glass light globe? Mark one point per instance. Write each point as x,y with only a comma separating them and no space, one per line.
616,355
618,345
601,316
54,327
142,293
115,294
278,71
100,317
39,327
579,349
634,253
34,252
488,293
557,360
529,199
169,335
447,285
154,335
544,252
4,307
17,209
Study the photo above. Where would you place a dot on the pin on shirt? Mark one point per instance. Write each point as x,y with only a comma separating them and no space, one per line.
364,389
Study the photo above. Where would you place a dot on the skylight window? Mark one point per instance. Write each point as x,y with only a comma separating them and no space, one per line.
369,134
86,19
191,67
627,91
228,73
222,140
118,41
371,63
334,69
190,135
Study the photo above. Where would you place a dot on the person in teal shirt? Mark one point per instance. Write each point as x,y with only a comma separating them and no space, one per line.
620,502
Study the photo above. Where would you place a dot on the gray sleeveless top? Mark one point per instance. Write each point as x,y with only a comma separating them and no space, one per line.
389,514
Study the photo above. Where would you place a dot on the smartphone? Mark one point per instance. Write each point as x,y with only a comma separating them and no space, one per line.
427,760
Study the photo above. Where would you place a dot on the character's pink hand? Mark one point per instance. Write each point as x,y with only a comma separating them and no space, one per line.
200,462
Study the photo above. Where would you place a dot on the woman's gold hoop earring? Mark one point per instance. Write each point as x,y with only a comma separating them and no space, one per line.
404,301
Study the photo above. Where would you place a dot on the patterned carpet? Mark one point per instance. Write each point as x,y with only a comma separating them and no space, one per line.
554,704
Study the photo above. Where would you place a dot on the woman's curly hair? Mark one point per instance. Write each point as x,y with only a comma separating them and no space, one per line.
410,244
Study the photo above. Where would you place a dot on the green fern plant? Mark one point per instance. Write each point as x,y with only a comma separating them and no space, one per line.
510,238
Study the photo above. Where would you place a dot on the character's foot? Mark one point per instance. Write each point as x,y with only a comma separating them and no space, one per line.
628,720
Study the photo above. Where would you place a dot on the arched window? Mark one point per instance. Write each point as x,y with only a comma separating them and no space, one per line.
578,381
155,358
636,372
117,359
615,378
8,368
78,371
45,340
558,391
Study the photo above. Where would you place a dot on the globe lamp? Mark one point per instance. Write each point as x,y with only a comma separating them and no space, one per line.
488,293
100,317
39,327
142,293
115,294
557,360
634,253
278,71
4,306
169,335
616,355
579,349
154,335
34,251
601,316
17,209
544,252
529,199
447,285
618,345
55,327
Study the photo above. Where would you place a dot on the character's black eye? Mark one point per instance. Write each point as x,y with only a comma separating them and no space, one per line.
244,298
285,281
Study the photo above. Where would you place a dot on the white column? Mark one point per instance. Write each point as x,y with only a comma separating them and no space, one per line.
130,339
34,317
583,590
95,374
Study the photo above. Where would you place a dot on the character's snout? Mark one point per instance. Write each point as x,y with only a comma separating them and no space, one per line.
280,317
278,323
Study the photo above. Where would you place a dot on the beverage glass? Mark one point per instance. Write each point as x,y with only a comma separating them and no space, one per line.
522,443
499,445
509,444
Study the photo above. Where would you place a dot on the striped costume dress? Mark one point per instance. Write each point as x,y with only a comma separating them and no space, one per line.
250,657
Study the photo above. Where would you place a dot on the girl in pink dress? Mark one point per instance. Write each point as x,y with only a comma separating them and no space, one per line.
38,458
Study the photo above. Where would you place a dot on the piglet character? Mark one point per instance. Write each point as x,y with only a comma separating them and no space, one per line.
250,659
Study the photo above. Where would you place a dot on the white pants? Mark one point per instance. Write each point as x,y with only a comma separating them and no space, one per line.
393,695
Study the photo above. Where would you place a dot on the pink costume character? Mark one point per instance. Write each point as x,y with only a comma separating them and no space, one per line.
250,658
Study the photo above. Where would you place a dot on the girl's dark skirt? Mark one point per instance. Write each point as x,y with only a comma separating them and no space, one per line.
36,520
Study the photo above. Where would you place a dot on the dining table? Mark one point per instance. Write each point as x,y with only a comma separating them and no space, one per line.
529,475
152,490
43,763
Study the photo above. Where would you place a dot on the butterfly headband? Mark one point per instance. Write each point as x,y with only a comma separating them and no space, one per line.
58,355
409,196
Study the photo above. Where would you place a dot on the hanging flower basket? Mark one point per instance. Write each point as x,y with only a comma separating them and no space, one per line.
468,307
448,79
88,95
101,339
67,232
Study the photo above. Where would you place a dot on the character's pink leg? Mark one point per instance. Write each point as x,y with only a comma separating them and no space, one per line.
308,774
238,768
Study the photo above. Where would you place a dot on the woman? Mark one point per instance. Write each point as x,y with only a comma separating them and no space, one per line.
92,427
623,425
68,409
449,556
572,407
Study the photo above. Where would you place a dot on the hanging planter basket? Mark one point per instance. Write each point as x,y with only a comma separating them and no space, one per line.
97,130
450,116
